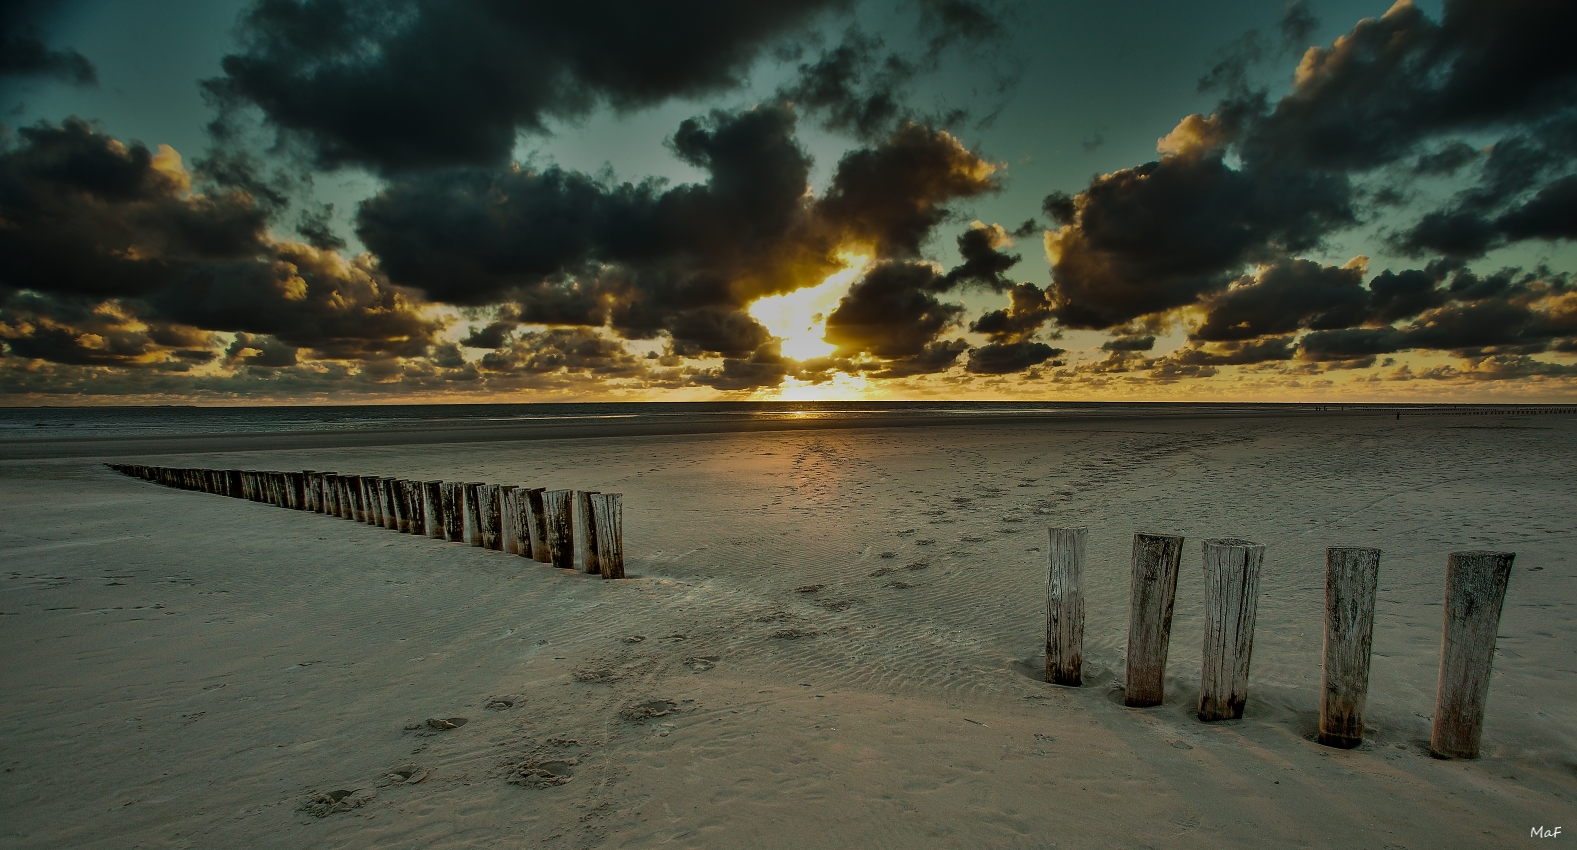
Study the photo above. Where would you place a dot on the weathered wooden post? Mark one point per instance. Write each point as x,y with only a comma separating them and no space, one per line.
560,525
310,490
490,515
373,499
1152,592
454,507
401,494
1351,577
296,490
608,516
1475,592
585,532
471,512
330,497
433,509
391,512
1231,601
537,525
358,508
1065,607
342,497
508,519
278,490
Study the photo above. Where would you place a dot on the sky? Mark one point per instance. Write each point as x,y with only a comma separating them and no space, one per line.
346,201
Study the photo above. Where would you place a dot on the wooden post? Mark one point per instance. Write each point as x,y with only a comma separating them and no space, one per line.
471,512
1152,591
537,525
433,509
415,524
1065,607
347,499
1475,591
608,517
585,532
358,509
309,490
391,513
296,487
1231,601
330,497
1351,576
454,508
508,519
399,492
374,499
560,525
490,515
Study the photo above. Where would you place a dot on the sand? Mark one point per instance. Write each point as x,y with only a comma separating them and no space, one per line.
830,638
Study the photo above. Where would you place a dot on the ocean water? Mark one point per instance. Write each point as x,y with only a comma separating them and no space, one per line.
56,422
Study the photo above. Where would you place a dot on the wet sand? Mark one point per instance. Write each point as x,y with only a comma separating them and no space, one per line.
831,638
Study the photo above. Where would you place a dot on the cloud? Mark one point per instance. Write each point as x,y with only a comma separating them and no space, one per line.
98,228
890,314
419,84
23,52
1001,358
1216,227
685,261
1027,311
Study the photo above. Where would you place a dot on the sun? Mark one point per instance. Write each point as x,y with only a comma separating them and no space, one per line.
842,387
799,318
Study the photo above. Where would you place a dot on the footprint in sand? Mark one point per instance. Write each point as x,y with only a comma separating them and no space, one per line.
898,585
701,663
635,638
406,774
501,703
884,571
637,712
888,555
548,773
334,802
917,565
442,724
809,588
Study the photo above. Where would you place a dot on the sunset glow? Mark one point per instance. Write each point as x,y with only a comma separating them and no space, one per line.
799,318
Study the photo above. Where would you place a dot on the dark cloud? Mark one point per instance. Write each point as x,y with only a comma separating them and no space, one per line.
891,196
424,83
861,88
1130,342
24,52
1027,311
686,261
260,351
564,350
1286,297
890,313
98,227
985,262
1261,181
766,367
1001,358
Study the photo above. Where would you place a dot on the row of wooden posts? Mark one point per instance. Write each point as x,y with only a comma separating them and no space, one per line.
574,529
1475,590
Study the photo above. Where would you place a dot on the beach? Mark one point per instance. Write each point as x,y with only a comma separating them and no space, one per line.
831,636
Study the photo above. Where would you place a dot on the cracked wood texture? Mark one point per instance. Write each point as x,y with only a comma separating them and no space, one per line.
585,532
490,515
1231,600
509,518
1152,592
1351,576
608,515
560,525
536,525
1475,591
1065,606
